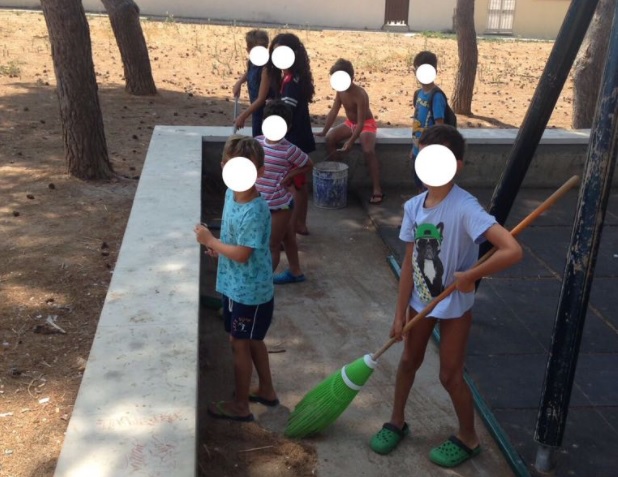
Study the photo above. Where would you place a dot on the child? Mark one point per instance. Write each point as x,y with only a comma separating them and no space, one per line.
359,124
258,85
425,114
244,278
296,89
442,229
283,162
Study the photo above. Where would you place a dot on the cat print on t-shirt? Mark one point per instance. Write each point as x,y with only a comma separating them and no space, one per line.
427,265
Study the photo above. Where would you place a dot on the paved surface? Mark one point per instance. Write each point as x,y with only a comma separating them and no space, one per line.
513,323
343,311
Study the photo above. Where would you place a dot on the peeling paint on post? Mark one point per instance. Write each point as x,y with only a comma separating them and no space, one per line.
581,260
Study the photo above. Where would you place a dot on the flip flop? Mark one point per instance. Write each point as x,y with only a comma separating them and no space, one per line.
389,437
452,453
221,413
287,277
376,199
265,402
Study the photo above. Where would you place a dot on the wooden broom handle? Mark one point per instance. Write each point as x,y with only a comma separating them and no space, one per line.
550,201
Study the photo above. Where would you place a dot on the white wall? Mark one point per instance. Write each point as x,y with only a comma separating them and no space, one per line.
431,16
326,13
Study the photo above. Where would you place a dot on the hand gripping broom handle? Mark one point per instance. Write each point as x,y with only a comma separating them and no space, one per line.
550,201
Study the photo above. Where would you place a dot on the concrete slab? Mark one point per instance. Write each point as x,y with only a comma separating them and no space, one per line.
135,412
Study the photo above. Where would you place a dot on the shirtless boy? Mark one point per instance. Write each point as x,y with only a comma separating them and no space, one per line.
359,124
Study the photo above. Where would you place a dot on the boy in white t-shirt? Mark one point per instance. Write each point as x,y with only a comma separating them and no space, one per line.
442,229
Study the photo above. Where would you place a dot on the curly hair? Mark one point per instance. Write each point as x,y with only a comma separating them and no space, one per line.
301,67
243,146
343,65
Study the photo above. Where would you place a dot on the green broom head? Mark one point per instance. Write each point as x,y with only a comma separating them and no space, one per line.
326,402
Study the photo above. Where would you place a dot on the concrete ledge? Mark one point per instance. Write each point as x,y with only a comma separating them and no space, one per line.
560,155
135,412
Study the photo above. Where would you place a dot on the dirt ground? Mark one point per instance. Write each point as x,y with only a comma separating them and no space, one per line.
60,236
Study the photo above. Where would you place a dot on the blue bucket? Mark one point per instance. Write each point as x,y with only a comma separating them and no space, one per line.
330,185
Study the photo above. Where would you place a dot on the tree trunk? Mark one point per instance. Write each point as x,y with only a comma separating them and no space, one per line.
124,17
588,66
468,57
80,114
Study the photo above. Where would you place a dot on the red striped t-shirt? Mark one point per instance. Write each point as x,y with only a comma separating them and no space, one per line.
279,158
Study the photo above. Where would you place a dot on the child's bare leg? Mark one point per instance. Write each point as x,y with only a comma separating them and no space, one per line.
291,249
453,341
279,226
334,137
243,367
411,359
299,215
368,143
259,355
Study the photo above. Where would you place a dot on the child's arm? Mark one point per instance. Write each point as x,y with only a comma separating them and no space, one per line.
362,106
238,85
258,103
238,253
306,169
332,115
508,253
406,284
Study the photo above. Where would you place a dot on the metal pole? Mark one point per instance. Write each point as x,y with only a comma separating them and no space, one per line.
559,63
581,260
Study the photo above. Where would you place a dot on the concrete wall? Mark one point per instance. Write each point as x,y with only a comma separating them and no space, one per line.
326,13
533,18
560,155
436,18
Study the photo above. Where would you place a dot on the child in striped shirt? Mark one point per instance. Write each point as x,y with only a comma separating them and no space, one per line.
283,161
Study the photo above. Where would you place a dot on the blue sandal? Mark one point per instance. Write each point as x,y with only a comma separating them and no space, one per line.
287,277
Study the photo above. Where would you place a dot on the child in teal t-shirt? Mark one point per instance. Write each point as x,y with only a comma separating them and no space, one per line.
245,280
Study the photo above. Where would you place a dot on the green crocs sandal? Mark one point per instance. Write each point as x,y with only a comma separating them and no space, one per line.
452,453
388,438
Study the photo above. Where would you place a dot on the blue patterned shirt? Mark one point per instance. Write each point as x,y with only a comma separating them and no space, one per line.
247,224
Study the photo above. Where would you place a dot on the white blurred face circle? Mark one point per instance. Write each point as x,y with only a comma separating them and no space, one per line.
258,55
274,128
239,174
435,165
340,81
283,57
426,74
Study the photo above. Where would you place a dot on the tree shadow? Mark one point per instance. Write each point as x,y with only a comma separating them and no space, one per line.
493,121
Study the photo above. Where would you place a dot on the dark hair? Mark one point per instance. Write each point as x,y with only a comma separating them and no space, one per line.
343,65
244,146
426,58
301,67
278,108
256,38
444,135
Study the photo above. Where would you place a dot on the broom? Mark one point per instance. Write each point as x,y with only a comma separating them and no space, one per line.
326,402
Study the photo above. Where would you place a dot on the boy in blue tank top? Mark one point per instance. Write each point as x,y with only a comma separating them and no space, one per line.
425,114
